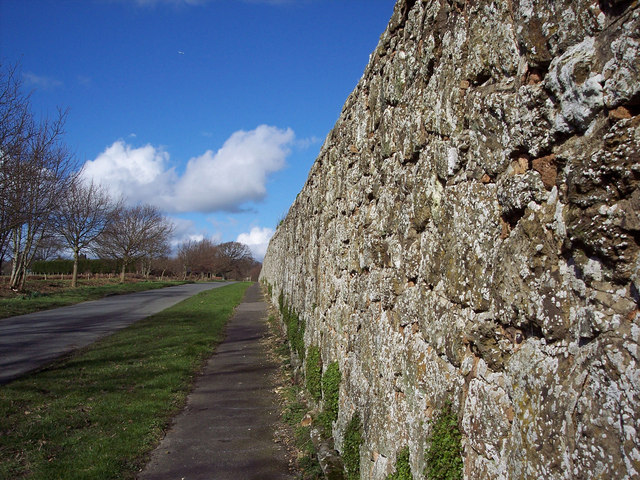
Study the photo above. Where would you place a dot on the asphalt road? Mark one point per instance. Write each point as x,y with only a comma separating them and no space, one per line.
28,342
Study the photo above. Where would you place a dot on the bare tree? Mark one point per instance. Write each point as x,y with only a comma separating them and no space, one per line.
35,170
50,247
156,250
133,234
198,257
233,258
84,213
186,257
166,265
15,114
44,171
16,128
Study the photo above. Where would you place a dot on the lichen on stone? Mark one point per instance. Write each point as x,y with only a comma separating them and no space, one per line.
470,231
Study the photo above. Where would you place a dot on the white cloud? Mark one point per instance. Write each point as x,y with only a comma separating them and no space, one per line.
38,81
185,230
236,173
257,240
304,143
141,175
222,181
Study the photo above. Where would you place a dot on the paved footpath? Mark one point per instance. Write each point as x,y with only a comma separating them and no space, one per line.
28,342
226,431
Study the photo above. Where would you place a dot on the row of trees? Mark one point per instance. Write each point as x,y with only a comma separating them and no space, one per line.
194,260
46,207
228,260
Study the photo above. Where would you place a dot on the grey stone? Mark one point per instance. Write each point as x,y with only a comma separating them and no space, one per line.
470,232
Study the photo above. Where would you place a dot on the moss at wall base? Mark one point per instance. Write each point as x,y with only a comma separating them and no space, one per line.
351,448
444,455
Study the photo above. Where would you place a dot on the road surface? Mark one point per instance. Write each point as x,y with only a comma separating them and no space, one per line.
28,342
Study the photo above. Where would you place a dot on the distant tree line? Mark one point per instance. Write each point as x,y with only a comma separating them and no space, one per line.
195,260
226,260
47,209
63,266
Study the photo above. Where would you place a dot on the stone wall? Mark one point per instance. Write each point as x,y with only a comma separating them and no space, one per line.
470,233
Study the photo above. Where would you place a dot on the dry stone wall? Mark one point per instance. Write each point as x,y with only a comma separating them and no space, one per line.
470,233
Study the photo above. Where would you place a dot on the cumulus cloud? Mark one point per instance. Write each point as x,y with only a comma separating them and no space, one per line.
141,175
234,174
222,181
257,240
186,230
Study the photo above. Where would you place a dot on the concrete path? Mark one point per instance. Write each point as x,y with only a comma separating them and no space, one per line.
28,342
226,431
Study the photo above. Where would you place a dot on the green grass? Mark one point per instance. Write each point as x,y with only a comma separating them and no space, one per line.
95,414
35,301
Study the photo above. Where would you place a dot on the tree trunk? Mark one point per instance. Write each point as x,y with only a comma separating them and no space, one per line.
74,277
23,277
13,279
146,268
17,261
122,272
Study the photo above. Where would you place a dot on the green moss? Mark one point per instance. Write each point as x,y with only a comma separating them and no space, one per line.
331,394
403,469
295,326
444,459
313,373
293,413
351,448
299,340
281,302
295,332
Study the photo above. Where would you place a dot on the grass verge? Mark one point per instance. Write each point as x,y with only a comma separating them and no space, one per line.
36,301
97,413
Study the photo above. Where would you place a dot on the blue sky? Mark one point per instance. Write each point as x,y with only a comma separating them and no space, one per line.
213,110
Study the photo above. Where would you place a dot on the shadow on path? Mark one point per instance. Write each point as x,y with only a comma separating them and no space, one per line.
226,431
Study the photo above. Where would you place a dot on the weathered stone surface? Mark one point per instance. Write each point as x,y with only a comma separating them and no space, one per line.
470,231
